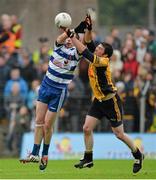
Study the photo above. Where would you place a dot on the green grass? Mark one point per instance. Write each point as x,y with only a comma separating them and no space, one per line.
63,169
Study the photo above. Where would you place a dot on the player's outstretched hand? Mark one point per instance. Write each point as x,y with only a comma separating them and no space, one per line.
81,27
88,22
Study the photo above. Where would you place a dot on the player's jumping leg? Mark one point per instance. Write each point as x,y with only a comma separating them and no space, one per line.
119,132
41,109
48,129
87,160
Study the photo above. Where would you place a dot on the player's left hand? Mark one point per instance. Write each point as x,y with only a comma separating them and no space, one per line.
88,21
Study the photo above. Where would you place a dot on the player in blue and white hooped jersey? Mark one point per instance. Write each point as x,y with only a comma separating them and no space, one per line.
52,94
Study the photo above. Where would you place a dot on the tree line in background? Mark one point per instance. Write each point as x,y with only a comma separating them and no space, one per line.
123,12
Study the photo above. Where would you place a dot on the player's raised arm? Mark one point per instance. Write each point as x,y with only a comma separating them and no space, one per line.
88,34
61,38
82,49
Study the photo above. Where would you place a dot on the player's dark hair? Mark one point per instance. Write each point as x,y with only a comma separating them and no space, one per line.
108,49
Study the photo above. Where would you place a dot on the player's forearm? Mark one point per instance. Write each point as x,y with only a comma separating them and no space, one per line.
61,38
88,36
79,46
82,49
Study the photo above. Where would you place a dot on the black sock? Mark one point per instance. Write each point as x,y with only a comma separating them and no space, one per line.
88,155
137,154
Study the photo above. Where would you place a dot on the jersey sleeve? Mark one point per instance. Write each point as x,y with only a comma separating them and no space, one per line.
91,46
57,45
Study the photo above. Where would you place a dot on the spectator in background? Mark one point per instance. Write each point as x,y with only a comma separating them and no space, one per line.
22,125
109,39
32,94
31,100
17,30
39,56
128,81
117,76
150,102
131,111
130,64
116,40
129,36
129,45
71,120
41,69
152,44
11,59
116,64
138,36
130,106
7,37
141,50
12,102
146,66
28,71
16,77
4,76
145,33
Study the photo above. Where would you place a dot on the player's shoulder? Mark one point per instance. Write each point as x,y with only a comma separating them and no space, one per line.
101,60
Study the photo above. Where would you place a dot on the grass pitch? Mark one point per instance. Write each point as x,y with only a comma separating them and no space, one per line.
64,169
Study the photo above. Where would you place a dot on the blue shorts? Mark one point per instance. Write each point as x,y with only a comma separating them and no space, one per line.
52,96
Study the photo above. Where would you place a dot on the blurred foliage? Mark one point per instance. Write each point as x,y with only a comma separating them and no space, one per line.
123,12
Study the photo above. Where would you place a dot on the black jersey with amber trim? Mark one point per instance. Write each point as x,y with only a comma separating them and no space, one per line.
100,78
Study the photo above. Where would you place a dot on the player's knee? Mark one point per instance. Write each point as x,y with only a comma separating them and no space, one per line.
87,130
119,135
39,121
48,127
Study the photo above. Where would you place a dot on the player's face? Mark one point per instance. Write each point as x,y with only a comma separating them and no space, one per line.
68,43
99,51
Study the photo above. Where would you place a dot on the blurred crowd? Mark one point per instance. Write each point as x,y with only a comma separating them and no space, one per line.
133,67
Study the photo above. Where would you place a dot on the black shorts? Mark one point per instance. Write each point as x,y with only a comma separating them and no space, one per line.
111,109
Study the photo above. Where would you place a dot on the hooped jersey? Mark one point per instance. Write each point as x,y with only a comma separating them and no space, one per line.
61,67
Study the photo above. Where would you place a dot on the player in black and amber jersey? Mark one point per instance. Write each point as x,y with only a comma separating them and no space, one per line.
106,102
